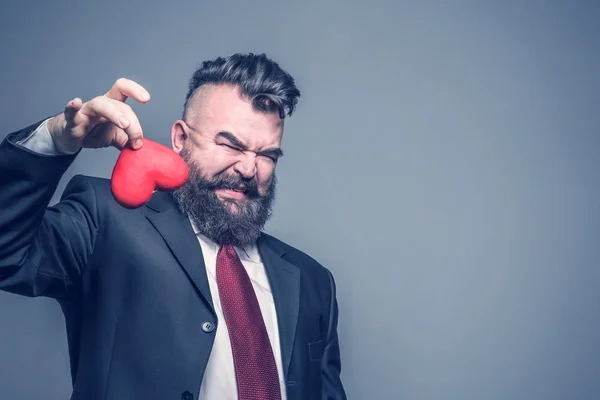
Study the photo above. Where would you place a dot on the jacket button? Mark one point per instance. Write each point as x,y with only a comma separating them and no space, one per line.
208,326
187,396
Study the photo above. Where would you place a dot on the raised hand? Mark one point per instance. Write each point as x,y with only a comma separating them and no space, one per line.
102,121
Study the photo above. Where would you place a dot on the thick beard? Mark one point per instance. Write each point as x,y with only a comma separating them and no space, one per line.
197,199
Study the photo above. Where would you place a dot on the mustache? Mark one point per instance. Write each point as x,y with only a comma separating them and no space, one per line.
247,186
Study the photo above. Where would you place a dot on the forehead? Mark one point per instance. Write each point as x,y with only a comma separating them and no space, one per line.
222,107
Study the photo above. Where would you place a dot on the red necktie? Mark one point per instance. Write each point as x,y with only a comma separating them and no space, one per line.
255,368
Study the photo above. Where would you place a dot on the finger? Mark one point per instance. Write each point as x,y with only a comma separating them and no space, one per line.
103,108
120,140
73,117
124,88
120,114
72,108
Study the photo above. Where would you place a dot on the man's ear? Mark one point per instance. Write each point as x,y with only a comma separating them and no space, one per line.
178,136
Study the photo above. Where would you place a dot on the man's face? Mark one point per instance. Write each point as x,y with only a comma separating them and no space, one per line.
231,150
229,138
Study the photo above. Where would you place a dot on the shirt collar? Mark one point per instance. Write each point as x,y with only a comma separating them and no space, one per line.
248,252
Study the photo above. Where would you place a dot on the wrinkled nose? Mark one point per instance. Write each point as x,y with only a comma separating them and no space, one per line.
246,167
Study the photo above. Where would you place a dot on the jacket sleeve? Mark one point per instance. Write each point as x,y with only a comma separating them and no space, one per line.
42,249
331,363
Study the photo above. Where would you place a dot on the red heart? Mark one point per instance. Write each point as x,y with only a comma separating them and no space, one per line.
138,172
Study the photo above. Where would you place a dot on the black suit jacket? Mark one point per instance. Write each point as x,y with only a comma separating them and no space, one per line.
133,287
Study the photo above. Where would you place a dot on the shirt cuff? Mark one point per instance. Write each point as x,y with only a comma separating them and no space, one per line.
40,141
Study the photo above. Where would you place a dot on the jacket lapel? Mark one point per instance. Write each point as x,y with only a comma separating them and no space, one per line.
176,230
284,279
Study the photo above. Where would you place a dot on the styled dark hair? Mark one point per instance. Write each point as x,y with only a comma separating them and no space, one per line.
259,78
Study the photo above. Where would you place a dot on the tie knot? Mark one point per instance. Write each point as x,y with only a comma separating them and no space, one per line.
228,250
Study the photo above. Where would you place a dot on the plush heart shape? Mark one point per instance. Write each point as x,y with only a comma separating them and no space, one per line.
138,173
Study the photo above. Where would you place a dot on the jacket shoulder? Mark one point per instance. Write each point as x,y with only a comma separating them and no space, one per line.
296,256
85,182
94,193
100,187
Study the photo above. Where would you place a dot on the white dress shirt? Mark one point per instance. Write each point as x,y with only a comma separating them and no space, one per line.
219,379
219,382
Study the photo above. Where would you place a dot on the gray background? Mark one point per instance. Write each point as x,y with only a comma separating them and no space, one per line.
443,163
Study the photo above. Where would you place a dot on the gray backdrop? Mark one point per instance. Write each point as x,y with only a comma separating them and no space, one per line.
443,163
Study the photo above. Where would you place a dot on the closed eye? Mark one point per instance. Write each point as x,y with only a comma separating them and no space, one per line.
270,158
231,147
272,154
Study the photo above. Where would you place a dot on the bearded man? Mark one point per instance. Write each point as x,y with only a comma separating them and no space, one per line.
184,297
